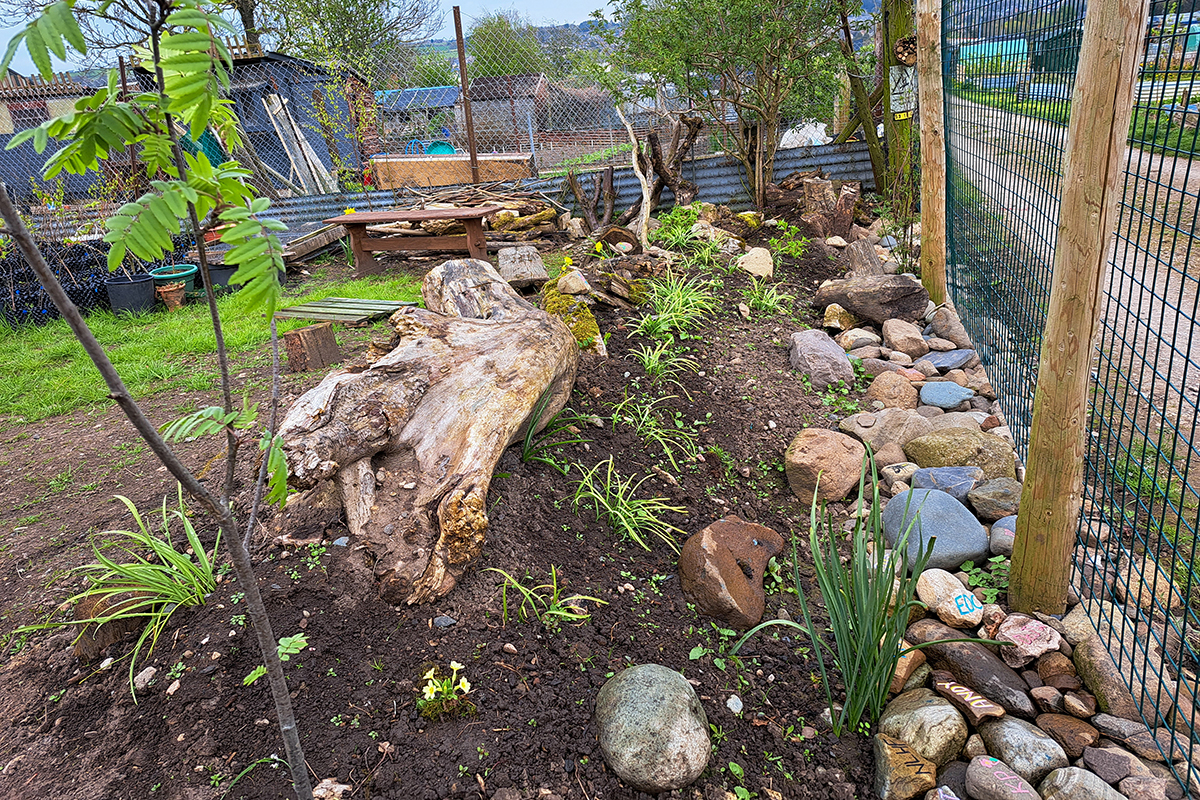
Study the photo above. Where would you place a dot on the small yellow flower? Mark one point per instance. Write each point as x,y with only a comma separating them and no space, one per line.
567,261
348,211
599,247
430,691
464,685
428,676
454,665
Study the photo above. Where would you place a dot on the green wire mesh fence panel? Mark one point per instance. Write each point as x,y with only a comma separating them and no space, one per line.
1008,82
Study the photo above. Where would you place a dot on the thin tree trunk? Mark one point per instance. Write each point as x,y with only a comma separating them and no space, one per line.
216,507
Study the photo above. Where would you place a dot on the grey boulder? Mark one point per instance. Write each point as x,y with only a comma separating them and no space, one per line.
931,514
819,357
652,729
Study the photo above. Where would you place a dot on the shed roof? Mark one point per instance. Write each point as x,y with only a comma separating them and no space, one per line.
502,87
417,98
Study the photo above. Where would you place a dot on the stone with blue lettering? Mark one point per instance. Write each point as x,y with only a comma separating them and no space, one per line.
946,596
954,481
945,394
931,513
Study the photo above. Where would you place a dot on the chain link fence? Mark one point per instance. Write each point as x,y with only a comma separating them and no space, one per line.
1008,82
318,121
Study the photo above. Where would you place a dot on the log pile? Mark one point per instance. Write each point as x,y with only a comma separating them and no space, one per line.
408,439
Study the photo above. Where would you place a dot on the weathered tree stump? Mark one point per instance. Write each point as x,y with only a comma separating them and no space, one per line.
311,347
411,439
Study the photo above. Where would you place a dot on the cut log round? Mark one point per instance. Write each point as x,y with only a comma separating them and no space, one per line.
411,439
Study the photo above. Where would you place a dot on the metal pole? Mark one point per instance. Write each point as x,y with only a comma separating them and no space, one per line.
532,151
466,96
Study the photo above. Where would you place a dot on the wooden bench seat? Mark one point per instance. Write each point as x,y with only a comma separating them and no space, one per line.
362,244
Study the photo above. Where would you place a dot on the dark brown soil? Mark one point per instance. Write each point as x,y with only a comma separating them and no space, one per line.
71,732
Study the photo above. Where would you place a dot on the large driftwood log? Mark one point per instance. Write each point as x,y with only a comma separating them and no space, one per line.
411,440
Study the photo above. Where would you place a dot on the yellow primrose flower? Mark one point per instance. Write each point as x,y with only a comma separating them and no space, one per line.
348,211
454,665
430,691
464,685
599,247
567,261
429,675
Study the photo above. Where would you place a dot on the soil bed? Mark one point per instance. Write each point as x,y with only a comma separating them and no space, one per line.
70,732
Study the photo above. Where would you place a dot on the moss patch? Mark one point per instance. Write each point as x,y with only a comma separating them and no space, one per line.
575,313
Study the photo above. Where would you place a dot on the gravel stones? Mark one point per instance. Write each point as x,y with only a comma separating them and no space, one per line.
1102,678
974,665
929,723
1004,533
1027,751
900,772
877,298
833,457
896,426
1150,587
1071,733
857,337
721,569
818,356
1109,764
905,337
1073,783
990,779
954,481
948,598
945,324
996,499
957,447
945,394
652,729
960,537
951,359
893,390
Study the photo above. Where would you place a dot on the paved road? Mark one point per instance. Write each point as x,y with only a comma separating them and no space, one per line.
1149,328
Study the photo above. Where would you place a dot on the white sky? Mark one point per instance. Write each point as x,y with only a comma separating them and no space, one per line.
540,12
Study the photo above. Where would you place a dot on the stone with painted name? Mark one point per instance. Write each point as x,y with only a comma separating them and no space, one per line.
975,666
900,772
974,706
1030,639
991,779
949,599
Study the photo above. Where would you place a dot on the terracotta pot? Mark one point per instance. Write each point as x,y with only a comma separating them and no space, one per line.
172,295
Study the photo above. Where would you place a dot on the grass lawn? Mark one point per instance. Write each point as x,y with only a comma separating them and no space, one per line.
46,372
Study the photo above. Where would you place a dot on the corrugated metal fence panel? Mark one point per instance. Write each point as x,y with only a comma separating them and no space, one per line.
720,181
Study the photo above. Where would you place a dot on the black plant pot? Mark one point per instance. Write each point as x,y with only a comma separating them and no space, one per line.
220,275
132,295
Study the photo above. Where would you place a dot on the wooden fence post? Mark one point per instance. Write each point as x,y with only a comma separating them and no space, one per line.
933,148
1093,166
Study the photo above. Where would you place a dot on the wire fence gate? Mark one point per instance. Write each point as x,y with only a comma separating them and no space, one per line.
1008,81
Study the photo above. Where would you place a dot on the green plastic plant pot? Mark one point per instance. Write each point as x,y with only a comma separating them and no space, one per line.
174,273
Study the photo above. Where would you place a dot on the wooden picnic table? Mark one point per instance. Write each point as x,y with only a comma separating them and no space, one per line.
362,244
